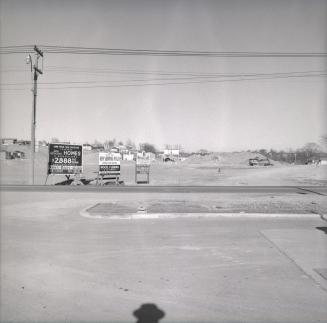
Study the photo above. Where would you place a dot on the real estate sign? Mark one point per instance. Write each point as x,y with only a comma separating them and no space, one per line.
142,167
109,164
65,159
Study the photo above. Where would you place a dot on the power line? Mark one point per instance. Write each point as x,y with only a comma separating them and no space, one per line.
211,76
164,73
177,83
154,52
103,71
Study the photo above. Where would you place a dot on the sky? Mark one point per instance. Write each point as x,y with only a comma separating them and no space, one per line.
124,97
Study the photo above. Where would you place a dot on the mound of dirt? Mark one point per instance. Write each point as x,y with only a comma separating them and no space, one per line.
238,158
225,158
198,159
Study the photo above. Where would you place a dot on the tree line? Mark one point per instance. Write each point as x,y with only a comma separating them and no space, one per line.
309,152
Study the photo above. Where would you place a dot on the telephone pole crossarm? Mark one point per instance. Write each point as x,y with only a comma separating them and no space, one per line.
38,51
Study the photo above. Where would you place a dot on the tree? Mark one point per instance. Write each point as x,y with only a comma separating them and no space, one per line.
54,140
97,142
130,144
263,152
311,149
109,143
148,148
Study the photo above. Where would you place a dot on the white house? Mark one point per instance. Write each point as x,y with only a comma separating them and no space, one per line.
171,153
87,147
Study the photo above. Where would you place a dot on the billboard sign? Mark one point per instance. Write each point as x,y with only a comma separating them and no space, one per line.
65,159
109,164
142,167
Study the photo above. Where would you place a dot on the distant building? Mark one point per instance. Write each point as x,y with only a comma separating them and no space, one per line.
123,149
114,149
128,156
140,154
8,141
98,147
23,142
171,154
150,156
87,147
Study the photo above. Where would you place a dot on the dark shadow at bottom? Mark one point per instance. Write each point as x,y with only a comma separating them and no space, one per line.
148,313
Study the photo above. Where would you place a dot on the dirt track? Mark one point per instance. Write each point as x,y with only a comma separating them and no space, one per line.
193,172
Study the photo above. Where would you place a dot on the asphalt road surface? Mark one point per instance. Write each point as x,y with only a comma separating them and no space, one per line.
171,189
60,266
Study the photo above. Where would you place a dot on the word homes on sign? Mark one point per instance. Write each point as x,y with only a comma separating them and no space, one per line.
65,159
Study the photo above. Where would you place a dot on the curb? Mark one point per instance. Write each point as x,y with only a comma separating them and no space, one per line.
139,216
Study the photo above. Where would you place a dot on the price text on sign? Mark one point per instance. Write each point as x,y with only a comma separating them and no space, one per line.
65,159
109,168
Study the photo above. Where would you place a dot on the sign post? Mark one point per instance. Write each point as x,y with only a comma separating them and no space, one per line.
66,159
109,167
142,167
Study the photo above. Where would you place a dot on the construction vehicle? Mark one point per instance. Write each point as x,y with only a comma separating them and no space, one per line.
257,161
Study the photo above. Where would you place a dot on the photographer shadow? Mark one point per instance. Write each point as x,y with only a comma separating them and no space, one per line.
148,313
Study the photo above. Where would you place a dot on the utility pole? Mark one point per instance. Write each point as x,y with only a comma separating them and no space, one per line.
36,71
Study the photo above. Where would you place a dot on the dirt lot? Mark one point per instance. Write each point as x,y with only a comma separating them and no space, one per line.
219,169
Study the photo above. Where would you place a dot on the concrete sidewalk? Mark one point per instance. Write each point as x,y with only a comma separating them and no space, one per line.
306,248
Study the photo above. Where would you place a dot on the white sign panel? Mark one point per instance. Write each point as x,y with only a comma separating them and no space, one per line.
109,164
143,161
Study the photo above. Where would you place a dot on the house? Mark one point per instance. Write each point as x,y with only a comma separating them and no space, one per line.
24,142
123,149
171,154
150,156
8,141
87,147
114,149
140,154
98,147
128,156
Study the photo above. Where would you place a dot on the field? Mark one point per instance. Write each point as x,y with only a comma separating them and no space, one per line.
216,169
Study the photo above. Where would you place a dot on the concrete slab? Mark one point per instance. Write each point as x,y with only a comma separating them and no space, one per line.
57,266
307,248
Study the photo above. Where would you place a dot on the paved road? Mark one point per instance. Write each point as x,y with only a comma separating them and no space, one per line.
321,190
57,266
